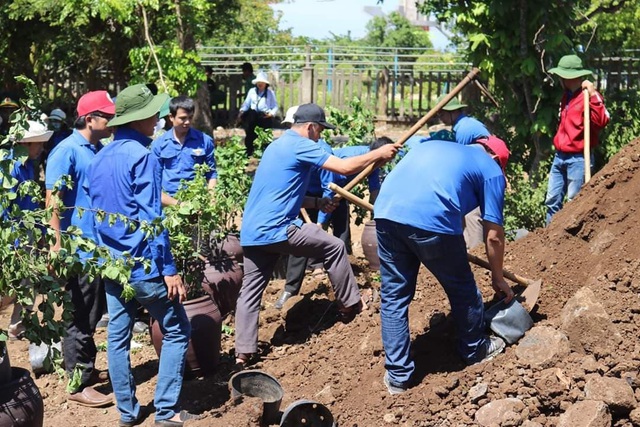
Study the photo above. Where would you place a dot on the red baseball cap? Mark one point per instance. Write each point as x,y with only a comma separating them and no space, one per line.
498,147
98,100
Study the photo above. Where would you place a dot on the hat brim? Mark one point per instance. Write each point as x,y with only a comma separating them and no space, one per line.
454,107
254,81
37,138
326,125
149,110
567,73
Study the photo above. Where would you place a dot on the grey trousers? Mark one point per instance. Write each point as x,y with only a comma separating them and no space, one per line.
308,241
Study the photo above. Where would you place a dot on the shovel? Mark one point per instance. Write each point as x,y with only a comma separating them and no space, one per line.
529,296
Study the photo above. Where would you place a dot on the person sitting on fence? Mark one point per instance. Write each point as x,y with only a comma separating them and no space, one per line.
258,109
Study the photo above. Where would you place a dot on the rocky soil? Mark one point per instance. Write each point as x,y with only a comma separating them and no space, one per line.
578,365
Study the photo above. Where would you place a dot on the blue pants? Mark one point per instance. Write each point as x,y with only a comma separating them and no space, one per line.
175,326
565,179
401,249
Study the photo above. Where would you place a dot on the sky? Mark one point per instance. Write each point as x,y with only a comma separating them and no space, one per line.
320,18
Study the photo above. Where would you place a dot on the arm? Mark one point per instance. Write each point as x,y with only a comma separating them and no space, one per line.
598,112
272,103
167,200
54,222
355,164
247,101
494,246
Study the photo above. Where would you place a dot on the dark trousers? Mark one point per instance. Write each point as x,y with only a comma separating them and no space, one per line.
79,348
250,120
341,224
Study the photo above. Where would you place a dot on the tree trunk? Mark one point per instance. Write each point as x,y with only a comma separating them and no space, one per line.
202,117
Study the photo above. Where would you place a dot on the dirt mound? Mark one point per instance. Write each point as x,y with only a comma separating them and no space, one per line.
593,242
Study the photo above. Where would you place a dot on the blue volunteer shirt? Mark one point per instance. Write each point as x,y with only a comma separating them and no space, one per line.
438,183
316,184
278,188
24,172
177,161
468,130
121,179
72,157
327,177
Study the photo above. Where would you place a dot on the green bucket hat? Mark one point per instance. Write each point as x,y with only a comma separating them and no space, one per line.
135,103
570,67
452,105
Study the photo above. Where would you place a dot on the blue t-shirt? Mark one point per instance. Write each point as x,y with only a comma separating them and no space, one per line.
327,177
316,184
468,130
177,161
121,179
438,183
72,157
278,188
24,172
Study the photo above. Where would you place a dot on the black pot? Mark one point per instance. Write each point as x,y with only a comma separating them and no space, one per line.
20,401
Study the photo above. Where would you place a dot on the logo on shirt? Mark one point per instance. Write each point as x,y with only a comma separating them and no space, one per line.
198,151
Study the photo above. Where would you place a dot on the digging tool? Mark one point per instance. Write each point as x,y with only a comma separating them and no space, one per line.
305,216
486,92
529,296
423,121
587,137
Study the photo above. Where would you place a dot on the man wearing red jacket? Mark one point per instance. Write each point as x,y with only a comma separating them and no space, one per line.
567,171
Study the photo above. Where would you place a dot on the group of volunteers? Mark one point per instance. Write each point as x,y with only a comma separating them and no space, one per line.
458,203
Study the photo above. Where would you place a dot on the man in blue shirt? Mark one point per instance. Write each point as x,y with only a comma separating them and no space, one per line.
72,157
424,225
25,174
466,130
178,150
339,219
270,225
122,180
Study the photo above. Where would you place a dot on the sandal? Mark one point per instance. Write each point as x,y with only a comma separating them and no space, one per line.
347,314
242,361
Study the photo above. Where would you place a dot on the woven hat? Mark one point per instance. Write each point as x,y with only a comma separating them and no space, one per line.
452,105
37,132
262,77
570,67
137,103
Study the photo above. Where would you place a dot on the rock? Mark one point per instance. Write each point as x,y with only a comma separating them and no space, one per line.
389,418
634,417
542,347
615,392
499,412
586,413
588,325
529,423
477,392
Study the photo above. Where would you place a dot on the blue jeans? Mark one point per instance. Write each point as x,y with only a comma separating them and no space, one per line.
565,178
175,326
401,249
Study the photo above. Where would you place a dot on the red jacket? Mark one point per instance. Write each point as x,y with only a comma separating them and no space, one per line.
570,135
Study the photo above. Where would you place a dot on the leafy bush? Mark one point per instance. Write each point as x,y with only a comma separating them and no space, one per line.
624,125
524,200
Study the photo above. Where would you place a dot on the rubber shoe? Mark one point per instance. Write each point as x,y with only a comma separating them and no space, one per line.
184,416
495,346
283,298
103,322
16,331
393,388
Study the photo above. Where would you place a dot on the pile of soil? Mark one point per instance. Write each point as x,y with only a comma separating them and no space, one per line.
592,242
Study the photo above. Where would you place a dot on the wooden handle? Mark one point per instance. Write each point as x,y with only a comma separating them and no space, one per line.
506,273
305,216
350,197
587,137
416,127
